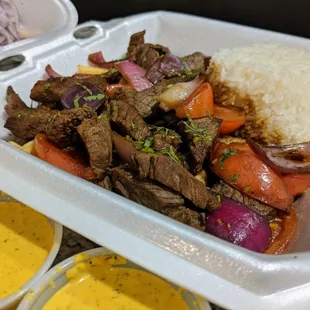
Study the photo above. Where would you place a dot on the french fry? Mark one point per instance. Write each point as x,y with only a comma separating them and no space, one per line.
91,70
28,147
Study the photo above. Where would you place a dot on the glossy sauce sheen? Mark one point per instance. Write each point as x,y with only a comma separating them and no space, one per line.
26,238
96,284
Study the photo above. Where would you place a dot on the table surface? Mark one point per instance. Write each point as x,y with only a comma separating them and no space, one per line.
278,15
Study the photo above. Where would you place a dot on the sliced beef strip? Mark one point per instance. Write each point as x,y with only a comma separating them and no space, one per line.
187,216
52,90
106,183
146,101
145,54
164,138
196,62
128,120
164,170
24,122
61,129
97,137
199,146
147,193
223,189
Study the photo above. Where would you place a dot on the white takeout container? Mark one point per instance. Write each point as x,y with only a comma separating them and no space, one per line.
42,290
48,19
221,272
13,299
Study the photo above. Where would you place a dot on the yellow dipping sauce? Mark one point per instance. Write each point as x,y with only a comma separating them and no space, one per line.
97,284
26,237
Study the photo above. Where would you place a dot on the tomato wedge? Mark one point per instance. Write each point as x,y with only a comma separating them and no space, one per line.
296,184
235,162
284,230
59,158
199,104
232,118
112,88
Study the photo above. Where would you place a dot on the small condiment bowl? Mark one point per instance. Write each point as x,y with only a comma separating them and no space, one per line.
56,278
12,300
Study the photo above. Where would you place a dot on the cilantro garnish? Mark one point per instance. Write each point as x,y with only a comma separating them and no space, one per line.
199,134
94,97
226,154
85,88
234,177
247,188
170,151
76,101
115,107
47,85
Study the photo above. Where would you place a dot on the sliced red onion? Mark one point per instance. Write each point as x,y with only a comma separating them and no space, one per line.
98,60
238,224
134,75
83,94
287,159
124,148
153,74
51,72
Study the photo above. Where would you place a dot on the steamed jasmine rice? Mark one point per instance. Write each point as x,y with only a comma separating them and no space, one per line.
271,84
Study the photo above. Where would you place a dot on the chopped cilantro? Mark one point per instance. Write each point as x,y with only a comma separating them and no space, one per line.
228,226
148,142
247,188
220,221
234,177
133,126
147,150
94,97
47,85
85,88
169,86
199,134
76,101
226,154
128,138
103,116
111,72
218,198
171,153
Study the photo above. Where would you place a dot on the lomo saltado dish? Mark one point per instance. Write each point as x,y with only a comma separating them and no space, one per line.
218,143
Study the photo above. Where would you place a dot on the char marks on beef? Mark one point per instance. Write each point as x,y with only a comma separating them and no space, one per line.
196,62
51,90
97,137
146,101
128,120
164,170
223,189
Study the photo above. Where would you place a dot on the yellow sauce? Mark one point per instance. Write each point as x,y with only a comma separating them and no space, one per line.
26,238
97,284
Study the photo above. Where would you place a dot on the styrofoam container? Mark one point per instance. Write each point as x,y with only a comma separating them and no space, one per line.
42,290
48,19
13,299
221,272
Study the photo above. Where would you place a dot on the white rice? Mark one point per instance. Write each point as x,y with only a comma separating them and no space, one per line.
273,82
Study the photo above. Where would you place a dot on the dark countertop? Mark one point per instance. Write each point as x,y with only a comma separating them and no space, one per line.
279,15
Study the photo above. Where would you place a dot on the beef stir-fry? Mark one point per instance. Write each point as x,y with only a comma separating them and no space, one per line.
148,128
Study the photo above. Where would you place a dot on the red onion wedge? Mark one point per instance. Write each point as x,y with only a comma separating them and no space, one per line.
134,75
98,60
236,223
124,148
51,72
286,159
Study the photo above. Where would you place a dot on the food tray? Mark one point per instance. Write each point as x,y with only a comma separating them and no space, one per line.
223,273
49,18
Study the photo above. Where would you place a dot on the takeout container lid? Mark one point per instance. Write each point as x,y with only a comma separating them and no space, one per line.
49,18
13,299
221,272
42,290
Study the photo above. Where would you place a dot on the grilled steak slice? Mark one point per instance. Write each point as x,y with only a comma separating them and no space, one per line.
106,183
200,134
61,128
146,101
196,62
24,122
97,137
145,54
53,89
187,216
128,120
148,194
223,189
164,170
164,138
